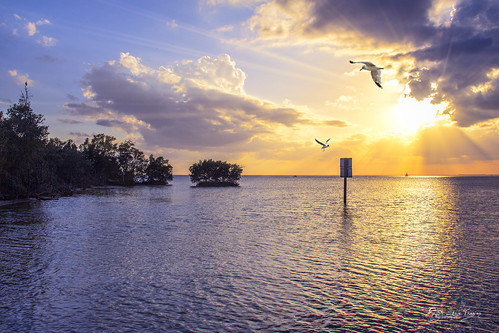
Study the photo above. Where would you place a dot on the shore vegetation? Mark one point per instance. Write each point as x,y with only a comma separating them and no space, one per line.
34,165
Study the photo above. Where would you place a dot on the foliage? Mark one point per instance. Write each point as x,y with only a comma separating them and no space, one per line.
158,171
215,173
33,165
101,151
22,148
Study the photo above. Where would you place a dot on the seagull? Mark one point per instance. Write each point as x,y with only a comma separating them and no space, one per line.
375,70
324,145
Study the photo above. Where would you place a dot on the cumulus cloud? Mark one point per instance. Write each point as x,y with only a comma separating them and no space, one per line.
190,105
445,50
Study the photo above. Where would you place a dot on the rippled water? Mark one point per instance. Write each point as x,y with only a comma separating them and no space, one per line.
406,254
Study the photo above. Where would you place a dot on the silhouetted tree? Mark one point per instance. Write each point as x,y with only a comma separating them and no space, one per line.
215,173
131,162
69,167
158,171
101,151
23,142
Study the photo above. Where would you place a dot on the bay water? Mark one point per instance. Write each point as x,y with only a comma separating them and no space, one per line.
276,254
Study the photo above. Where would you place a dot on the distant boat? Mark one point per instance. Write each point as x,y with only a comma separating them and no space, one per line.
406,174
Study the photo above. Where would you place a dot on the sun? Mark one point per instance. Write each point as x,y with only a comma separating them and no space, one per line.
410,114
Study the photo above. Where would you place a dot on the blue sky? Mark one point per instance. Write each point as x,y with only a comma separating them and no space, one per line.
255,81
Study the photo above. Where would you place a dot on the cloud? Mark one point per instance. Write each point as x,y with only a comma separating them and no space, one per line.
443,50
49,59
32,30
5,101
172,24
231,2
19,78
80,134
47,41
190,105
72,97
336,123
69,121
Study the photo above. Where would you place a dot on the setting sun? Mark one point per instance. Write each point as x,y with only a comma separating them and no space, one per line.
410,114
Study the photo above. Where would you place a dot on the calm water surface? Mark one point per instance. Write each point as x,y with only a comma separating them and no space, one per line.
406,254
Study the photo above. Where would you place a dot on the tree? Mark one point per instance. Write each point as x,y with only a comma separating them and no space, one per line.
215,173
158,171
131,162
23,144
68,166
101,152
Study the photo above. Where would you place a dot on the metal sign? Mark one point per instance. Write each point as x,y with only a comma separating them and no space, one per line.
345,167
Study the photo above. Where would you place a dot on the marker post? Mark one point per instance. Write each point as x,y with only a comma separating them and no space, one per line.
345,172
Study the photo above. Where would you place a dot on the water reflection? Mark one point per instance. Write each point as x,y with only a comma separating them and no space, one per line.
276,254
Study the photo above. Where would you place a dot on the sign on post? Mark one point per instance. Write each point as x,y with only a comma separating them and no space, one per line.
345,167
345,172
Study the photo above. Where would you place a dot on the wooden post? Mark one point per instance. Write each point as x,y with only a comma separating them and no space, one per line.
345,185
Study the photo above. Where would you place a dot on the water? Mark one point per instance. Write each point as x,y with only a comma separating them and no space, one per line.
407,254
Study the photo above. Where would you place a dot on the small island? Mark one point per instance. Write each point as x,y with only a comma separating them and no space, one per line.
210,173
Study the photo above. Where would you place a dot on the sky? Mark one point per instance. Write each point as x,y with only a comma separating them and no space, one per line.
254,82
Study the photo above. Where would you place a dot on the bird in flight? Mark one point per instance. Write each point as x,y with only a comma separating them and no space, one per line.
375,70
324,145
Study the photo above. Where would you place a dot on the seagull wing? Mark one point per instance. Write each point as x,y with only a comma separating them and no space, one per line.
367,63
376,75
327,142
319,142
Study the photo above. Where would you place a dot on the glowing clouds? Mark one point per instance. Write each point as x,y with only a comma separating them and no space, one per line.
190,105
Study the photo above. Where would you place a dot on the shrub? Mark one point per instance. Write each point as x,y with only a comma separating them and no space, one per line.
215,173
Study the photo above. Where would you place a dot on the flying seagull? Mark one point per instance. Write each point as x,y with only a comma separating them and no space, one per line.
324,145
375,70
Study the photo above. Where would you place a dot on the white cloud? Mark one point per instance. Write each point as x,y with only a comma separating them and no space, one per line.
31,28
172,24
47,41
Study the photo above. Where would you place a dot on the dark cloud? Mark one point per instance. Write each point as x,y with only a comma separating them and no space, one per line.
69,121
453,56
109,123
387,21
465,58
72,97
178,107
49,59
80,134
